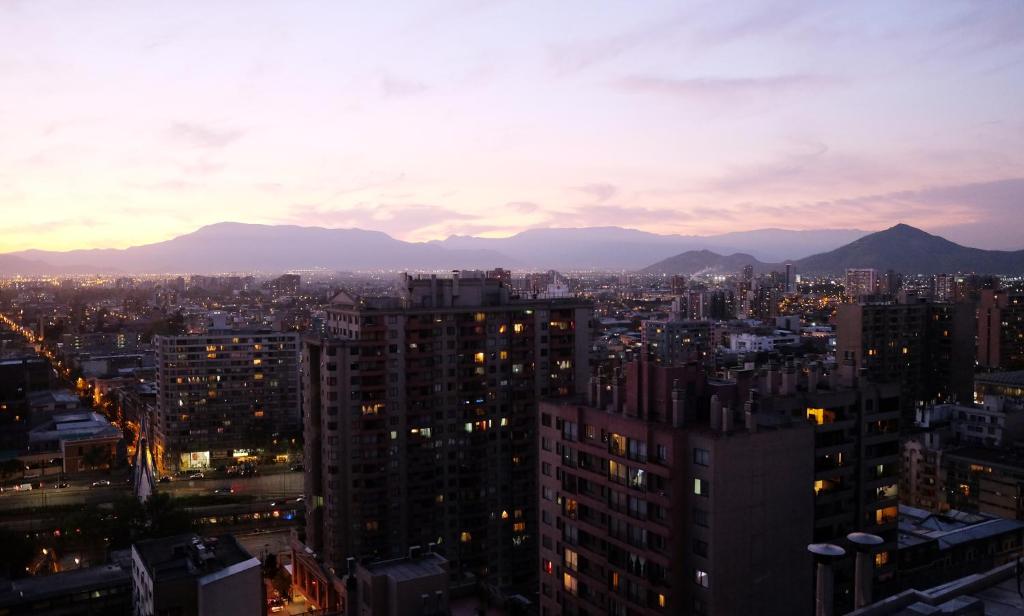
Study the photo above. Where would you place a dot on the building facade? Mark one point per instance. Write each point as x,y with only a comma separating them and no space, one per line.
224,394
1001,330
924,346
420,426
647,507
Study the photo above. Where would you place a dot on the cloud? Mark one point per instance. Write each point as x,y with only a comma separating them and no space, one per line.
600,191
398,219
201,136
719,87
565,59
391,87
523,207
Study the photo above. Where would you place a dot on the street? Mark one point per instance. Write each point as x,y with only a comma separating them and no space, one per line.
277,485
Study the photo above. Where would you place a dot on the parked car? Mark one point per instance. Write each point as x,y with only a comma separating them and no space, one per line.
60,484
165,479
224,490
102,483
196,476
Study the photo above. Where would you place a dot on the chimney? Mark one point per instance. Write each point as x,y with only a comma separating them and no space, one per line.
593,391
864,567
678,411
833,378
848,373
726,419
618,391
455,283
824,555
788,381
415,552
813,376
716,413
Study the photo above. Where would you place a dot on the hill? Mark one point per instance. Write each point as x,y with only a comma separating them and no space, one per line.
706,262
910,250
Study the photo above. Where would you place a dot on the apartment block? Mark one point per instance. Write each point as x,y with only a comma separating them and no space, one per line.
420,426
923,346
224,394
191,576
1001,330
657,499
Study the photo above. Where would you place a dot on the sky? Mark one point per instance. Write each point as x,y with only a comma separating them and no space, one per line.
127,123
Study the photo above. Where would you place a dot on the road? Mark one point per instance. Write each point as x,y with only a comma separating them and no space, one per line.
279,485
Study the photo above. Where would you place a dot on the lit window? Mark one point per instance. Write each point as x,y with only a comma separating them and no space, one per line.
701,578
518,328
503,355
549,567
701,487
569,582
661,600
571,559
821,416
881,559
465,536
478,358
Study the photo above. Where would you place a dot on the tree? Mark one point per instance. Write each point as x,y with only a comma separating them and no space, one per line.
16,554
96,456
11,467
163,517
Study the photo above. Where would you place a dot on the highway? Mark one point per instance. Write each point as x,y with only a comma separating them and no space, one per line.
277,485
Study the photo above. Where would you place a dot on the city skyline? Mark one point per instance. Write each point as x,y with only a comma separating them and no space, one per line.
129,126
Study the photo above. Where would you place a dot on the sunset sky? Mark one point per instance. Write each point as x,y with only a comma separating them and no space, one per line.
124,123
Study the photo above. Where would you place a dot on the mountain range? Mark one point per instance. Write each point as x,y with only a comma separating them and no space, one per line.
238,247
902,248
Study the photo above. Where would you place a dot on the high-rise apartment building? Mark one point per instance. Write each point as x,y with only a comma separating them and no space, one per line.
420,427
1001,330
861,282
674,341
924,346
944,288
224,394
657,499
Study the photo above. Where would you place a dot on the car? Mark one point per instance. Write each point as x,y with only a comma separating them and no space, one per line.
165,479
224,490
196,476
61,484
276,605
102,483
297,468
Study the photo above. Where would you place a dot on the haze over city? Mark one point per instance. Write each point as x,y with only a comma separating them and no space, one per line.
494,308
123,125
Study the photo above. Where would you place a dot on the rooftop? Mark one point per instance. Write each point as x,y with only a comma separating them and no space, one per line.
188,555
1001,378
949,529
402,569
994,593
1007,458
68,582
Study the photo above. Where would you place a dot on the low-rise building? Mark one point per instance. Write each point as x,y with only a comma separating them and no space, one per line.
416,585
103,590
986,481
82,441
939,547
186,575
